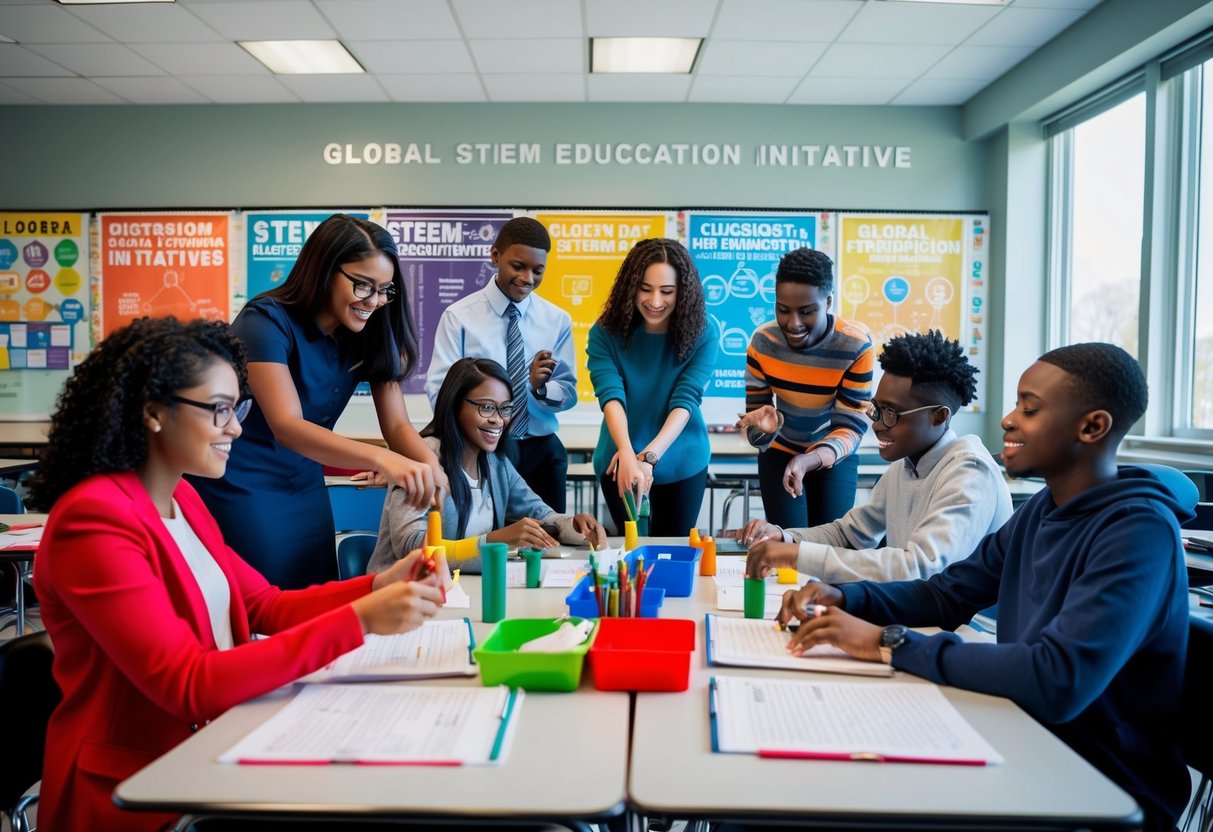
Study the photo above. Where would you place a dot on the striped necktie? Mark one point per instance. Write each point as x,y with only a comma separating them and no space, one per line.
515,357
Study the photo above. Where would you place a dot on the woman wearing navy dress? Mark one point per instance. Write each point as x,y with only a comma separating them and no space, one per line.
340,317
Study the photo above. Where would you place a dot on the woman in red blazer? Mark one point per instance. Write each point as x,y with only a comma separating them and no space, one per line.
152,627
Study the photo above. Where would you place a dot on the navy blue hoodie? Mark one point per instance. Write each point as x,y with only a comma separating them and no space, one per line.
1092,628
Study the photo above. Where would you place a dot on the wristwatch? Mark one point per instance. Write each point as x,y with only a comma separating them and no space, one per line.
649,457
892,637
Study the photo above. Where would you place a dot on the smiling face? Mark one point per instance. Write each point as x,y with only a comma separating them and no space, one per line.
347,309
519,270
800,311
914,433
656,296
188,441
483,433
1041,436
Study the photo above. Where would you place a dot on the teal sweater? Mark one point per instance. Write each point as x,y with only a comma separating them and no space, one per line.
649,381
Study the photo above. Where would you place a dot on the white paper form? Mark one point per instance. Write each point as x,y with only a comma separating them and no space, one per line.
730,594
385,724
563,573
21,537
751,642
437,648
893,722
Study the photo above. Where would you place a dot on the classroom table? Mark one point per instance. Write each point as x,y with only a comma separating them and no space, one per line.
671,770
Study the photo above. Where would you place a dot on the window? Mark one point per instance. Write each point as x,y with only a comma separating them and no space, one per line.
1200,410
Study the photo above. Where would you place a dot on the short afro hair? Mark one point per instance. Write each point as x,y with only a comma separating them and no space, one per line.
524,231
809,266
1104,377
936,366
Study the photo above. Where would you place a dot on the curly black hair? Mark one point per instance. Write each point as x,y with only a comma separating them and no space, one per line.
936,366
807,265
689,318
1104,377
524,231
98,425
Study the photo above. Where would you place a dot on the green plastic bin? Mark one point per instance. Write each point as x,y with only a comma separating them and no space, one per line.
502,664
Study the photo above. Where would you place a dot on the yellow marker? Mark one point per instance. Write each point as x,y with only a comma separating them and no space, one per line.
787,575
694,539
455,577
433,529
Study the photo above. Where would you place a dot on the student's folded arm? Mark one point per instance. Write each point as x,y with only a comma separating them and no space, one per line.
1112,606
561,392
848,421
103,573
826,550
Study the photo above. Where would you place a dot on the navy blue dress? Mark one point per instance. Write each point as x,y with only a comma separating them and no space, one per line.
271,504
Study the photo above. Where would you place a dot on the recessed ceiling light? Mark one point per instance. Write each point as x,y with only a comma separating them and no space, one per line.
670,55
303,57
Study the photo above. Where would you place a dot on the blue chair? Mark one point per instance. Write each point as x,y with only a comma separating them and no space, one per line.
11,503
356,509
353,554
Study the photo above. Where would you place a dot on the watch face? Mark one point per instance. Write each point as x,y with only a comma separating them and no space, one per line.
893,635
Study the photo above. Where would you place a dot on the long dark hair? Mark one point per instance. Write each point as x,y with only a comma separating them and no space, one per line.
389,340
463,375
689,318
98,425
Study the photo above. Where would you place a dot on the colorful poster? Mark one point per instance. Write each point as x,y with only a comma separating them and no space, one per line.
44,307
900,273
587,250
737,255
444,256
163,264
274,241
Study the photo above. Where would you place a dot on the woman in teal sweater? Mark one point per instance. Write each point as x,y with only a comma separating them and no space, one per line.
650,357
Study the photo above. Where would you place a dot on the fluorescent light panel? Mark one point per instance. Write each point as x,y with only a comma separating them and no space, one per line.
303,57
669,55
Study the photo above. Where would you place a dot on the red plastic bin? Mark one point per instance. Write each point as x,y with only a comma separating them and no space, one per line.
642,654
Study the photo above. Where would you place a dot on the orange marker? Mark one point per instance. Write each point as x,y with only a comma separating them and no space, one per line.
433,528
707,561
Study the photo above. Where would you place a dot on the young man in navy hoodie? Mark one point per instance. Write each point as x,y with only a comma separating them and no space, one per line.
1089,580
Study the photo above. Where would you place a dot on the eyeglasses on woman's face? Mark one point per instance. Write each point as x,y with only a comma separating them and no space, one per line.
364,289
888,417
222,411
487,409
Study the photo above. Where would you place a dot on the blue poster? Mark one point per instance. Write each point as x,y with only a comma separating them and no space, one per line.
737,255
274,241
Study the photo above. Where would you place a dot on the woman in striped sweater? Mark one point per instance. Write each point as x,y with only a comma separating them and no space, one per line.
808,375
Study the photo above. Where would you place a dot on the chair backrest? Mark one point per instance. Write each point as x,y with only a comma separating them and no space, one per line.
356,509
353,554
1176,481
10,501
28,694
1194,708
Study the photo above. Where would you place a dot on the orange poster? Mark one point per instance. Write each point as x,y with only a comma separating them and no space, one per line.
163,264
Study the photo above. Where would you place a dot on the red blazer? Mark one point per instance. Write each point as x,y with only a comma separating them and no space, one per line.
134,652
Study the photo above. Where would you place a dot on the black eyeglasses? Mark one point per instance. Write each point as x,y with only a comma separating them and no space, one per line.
487,409
888,417
222,410
363,289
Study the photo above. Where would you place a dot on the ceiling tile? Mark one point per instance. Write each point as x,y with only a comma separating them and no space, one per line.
725,88
559,55
8,95
152,90
451,87
64,90
984,62
815,20
950,92
538,87
519,19
201,58
334,88
858,60
748,57
390,19
639,87
395,57
266,20
46,24
848,91
1083,5
98,59
1024,27
644,18
148,23
19,60
241,89
916,23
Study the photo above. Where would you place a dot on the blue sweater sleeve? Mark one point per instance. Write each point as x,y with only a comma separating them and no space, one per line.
688,389
1110,609
602,362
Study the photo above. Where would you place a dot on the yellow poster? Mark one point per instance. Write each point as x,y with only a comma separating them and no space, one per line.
587,249
902,274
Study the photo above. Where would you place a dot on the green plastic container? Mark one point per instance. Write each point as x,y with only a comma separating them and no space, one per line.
502,664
